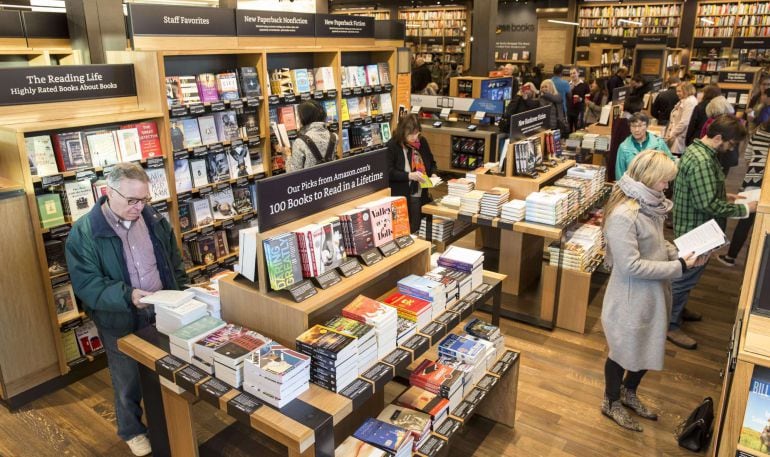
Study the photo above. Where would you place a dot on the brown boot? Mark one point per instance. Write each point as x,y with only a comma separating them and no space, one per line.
618,413
630,400
681,339
691,316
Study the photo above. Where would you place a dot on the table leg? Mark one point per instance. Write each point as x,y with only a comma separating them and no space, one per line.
309,452
181,434
154,411
496,303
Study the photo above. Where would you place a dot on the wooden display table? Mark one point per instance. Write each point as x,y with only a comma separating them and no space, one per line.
440,141
307,426
519,186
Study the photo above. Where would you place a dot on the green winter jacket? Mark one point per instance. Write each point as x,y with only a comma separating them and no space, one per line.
629,148
98,269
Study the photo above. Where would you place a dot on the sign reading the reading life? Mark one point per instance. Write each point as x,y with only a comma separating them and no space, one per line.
341,26
291,196
529,122
274,23
180,20
26,85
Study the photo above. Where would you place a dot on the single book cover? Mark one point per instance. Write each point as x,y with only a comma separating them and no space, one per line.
129,144
227,125
149,141
70,152
208,129
383,435
158,184
102,147
227,86
207,88
42,160
218,165
382,222
80,198
191,133
249,78
282,258
199,172
182,175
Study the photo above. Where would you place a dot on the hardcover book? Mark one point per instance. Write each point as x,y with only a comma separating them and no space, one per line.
421,400
330,106
191,132
283,263
218,166
185,220
332,246
372,75
383,70
54,256
416,422
70,152
222,203
281,364
188,87
208,129
199,173
248,120
227,86
361,234
66,306
80,198
42,160
173,92
129,144
200,212
149,140
300,79
102,147
158,184
367,310
242,198
227,125
382,222
239,161
400,216
88,338
385,132
287,118
176,132
207,88
182,175
325,342
249,78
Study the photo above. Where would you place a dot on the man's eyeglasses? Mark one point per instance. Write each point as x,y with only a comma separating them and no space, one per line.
133,201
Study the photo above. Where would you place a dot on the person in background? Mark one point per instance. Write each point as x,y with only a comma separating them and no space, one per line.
524,100
577,95
536,76
452,73
699,116
639,140
676,130
510,70
717,107
596,100
410,163
617,80
121,251
638,295
756,160
550,97
665,102
700,195
639,88
315,144
764,112
430,89
562,86
620,131
755,103
421,75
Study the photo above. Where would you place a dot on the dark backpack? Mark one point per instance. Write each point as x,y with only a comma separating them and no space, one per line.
330,148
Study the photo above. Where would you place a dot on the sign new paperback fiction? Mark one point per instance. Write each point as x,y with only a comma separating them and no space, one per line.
63,83
291,196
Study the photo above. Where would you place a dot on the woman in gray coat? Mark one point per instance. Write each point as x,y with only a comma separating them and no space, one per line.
638,296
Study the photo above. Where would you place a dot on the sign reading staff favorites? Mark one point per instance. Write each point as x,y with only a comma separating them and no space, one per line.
180,20
285,198
530,122
28,85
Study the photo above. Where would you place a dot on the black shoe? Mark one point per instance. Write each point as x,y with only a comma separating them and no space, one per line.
726,260
691,316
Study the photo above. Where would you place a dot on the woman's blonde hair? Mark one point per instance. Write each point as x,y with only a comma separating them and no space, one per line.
687,88
649,167
550,85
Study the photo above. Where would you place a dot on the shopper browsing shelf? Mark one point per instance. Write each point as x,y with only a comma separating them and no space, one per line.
315,144
576,101
410,164
699,196
421,75
639,140
756,104
596,100
676,131
699,116
635,308
122,251
665,102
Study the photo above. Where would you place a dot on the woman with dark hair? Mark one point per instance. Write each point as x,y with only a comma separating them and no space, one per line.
576,105
410,163
596,100
314,144
699,116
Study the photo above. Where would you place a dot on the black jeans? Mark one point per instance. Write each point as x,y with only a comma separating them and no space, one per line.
740,235
415,212
613,378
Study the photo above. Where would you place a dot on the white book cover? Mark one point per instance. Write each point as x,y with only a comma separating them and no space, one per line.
168,298
208,129
42,160
222,203
328,78
198,171
158,184
182,177
372,75
80,197
201,210
129,144
103,148
386,103
239,161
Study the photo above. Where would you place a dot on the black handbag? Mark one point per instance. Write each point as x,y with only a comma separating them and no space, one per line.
695,432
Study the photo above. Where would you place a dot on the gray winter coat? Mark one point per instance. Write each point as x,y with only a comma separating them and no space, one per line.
637,301
301,157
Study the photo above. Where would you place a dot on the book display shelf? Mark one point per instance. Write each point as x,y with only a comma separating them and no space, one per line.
741,413
50,151
438,34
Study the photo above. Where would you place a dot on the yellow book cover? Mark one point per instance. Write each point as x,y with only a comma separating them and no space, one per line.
344,114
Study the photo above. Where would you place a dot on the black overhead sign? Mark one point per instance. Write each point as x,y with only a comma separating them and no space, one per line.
759,42
740,77
274,23
26,85
180,20
619,94
389,30
711,42
39,24
652,39
529,122
10,25
341,26
291,196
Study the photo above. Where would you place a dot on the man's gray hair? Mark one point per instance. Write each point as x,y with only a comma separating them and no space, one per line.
126,170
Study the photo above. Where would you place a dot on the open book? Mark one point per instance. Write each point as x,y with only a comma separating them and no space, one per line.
701,240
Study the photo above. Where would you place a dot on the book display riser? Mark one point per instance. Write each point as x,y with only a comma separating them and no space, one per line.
442,139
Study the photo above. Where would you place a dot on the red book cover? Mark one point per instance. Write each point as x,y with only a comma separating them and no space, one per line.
286,117
407,304
364,309
433,374
422,400
70,151
148,138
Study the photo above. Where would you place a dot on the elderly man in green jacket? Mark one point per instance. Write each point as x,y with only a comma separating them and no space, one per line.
121,251
639,140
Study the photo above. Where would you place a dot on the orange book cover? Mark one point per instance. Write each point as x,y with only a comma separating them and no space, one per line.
400,214
364,309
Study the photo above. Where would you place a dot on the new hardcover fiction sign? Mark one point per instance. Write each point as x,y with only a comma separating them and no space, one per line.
339,26
291,196
180,20
27,85
530,122
272,23
619,94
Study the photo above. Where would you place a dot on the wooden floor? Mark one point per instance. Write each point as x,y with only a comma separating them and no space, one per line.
560,389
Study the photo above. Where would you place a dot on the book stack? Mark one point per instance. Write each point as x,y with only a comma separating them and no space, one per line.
406,328
474,353
581,247
394,440
596,174
451,201
602,143
573,197
513,210
471,202
459,187
493,200
426,289
471,374
480,330
442,228
204,348
411,308
429,403
228,358
575,139
310,239
276,374
382,317
439,379
546,208
208,293
182,340
466,260
589,140
457,283
582,186
352,446
365,336
165,300
168,320
416,422
334,356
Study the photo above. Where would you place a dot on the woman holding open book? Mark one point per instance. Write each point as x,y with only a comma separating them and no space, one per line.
636,305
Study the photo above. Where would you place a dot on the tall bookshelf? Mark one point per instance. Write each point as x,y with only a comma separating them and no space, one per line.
439,34
377,14
716,20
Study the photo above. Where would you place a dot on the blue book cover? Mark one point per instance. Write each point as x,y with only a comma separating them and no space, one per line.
192,134
418,286
456,344
345,140
301,80
382,435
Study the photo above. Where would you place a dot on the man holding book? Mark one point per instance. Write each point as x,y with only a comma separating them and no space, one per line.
699,195
120,252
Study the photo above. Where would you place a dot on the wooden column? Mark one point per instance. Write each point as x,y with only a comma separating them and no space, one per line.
483,33
96,26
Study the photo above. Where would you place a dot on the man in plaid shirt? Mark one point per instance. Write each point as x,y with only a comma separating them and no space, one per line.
699,195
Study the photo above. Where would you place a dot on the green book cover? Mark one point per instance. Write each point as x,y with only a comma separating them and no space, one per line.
283,264
50,209
197,329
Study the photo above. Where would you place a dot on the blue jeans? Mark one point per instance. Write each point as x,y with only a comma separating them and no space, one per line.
124,373
680,292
